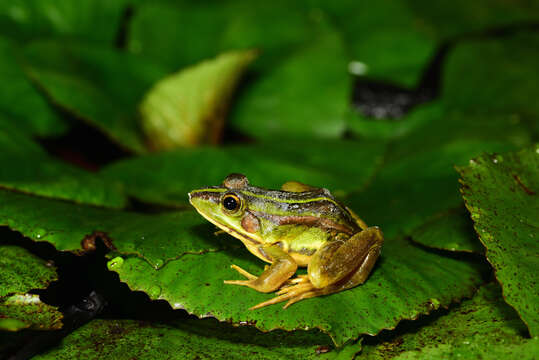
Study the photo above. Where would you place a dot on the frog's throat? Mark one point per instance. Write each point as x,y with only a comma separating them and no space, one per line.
245,239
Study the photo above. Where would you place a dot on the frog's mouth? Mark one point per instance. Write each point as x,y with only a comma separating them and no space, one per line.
248,240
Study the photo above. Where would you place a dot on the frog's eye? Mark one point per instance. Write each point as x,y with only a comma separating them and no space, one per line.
231,203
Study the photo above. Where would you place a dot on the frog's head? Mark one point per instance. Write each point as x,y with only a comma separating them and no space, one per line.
226,207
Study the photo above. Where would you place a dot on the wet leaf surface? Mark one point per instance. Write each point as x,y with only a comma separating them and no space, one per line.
97,84
199,339
26,167
19,312
404,284
161,178
69,227
22,271
501,193
484,327
450,230
189,107
21,104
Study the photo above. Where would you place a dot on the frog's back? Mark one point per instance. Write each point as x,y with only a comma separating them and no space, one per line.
312,208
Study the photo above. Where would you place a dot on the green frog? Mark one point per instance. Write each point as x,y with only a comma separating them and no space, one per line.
297,226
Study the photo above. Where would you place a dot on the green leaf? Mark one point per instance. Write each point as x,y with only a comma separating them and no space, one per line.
274,28
510,67
386,36
21,271
19,312
20,103
161,178
450,230
26,167
501,193
461,17
481,328
189,107
409,190
96,20
304,95
157,238
190,339
97,84
405,284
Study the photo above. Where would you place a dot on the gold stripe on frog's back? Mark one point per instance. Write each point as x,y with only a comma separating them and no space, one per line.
313,208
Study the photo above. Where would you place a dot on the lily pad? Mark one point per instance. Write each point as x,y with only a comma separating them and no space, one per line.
404,284
20,103
21,271
450,230
96,20
70,227
160,178
189,107
304,95
193,339
19,312
97,84
26,167
501,193
484,327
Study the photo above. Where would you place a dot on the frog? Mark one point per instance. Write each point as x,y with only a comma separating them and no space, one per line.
297,226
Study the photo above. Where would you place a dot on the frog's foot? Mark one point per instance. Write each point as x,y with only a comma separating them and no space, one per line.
292,294
300,279
245,273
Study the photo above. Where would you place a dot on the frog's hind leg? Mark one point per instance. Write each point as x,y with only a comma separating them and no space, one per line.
335,267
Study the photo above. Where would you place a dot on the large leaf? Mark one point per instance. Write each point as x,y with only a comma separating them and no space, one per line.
337,165
449,230
26,167
189,107
386,36
19,312
191,339
467,72
481,328
96,20
97,84
70,227
501,193
406,283
20,103
21,271
407,191
304,95
206,29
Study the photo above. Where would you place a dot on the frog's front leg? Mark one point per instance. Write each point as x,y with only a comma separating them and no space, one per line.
337,266
282,268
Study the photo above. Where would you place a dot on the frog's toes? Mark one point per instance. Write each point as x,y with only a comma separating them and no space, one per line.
291,293
300,279
245,273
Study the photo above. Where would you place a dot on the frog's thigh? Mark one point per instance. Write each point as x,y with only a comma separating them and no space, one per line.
282,268
339,259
